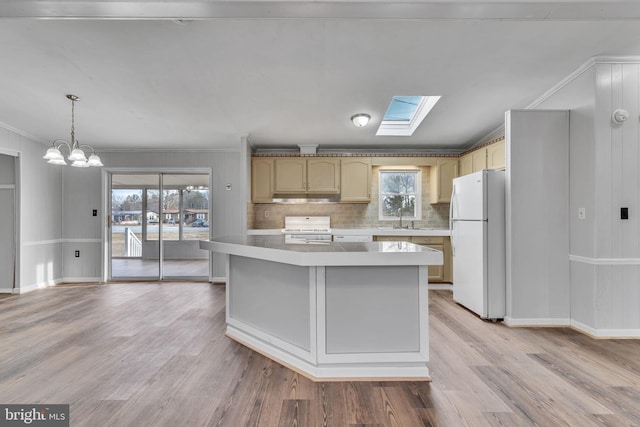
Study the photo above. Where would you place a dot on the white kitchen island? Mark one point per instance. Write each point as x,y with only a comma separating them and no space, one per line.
330,310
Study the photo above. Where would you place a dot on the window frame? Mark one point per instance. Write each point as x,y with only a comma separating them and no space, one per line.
417,194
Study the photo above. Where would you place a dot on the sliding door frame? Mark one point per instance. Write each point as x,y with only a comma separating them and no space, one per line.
107,172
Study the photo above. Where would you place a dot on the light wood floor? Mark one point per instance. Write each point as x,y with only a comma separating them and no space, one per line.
149,354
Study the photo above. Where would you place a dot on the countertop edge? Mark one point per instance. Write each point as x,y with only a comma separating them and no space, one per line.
364,232
334,259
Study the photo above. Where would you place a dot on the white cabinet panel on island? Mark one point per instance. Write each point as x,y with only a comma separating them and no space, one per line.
332,310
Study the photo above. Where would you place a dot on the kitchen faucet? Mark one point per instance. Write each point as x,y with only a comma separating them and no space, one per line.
400,218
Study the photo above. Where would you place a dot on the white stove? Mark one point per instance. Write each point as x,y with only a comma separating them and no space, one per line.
307,229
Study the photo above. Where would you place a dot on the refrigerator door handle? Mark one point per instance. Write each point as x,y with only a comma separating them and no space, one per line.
451,222
453,244
453,198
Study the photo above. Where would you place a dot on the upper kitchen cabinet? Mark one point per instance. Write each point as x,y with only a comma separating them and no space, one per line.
261,180
441,177
496,156
355,178
465,165
323,175
490,157
290,175
479,159
301,175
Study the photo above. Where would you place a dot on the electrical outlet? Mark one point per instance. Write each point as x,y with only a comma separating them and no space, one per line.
77,254
95,212
266,214
582,213
624,213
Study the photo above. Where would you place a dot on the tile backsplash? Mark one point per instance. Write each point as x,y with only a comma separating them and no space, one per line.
344,215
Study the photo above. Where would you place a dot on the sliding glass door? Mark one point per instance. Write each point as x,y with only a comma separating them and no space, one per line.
156,222
185,221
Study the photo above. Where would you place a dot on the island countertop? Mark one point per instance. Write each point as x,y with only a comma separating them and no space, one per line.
367,231
274,248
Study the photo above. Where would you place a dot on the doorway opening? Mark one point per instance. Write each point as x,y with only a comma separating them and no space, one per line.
157,220
8,224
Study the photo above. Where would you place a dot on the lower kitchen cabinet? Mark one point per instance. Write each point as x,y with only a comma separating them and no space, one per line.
437,273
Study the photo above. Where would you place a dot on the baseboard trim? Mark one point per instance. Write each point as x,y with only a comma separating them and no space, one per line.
605,333
80,280
604,261
36,286
542,322
6,290
574,324
440,286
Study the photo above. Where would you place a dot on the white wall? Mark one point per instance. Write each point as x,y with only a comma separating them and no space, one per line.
604,176
40,205
579,96
82,193
617,184
537,202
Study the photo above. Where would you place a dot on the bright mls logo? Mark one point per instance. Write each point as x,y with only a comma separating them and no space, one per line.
34,415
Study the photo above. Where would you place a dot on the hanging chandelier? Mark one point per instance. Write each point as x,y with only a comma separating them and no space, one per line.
76,153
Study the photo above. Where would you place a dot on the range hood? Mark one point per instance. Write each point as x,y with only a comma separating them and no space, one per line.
306,198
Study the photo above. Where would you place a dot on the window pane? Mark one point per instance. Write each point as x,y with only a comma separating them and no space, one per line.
399,191
153,213
399,182
402,108
171,215
126,217
391,206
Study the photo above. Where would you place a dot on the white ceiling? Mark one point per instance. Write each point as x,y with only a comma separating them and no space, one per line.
294,77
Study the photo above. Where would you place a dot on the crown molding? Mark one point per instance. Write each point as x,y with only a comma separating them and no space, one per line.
167,150
181,12
25,134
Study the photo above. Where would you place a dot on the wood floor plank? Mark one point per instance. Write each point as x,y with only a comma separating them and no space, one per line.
138,354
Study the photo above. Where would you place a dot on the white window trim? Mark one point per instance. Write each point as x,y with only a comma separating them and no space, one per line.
418,193
402,128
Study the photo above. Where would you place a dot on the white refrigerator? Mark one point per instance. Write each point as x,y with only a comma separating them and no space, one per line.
477,223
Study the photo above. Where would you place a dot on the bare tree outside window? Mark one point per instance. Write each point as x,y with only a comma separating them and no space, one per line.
399,192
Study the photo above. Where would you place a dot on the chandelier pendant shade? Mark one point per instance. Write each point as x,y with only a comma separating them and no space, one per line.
77,155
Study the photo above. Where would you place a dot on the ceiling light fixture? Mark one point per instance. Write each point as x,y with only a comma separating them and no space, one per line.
76,154
360,119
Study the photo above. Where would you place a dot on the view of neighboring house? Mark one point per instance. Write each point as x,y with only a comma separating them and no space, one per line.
126,217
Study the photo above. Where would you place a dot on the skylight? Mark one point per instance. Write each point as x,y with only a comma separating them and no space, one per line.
405,113
402,108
